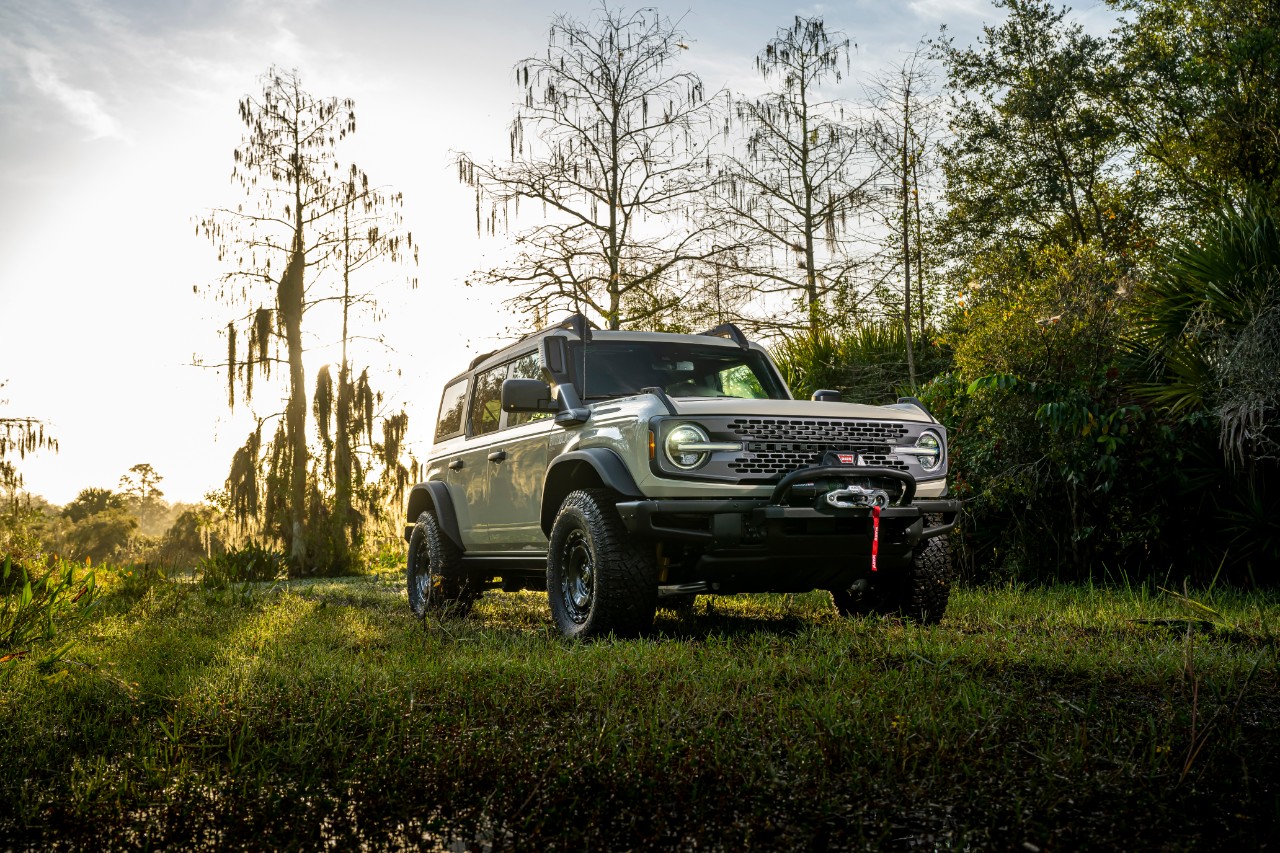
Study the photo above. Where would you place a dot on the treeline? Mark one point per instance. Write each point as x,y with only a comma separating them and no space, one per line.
131,524
1064,243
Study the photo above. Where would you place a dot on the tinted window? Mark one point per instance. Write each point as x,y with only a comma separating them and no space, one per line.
526,366
449,422
623,368
486,403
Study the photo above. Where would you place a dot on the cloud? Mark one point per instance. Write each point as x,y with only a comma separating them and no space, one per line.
84,106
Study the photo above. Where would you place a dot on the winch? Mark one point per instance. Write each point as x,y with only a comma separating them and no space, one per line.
853,496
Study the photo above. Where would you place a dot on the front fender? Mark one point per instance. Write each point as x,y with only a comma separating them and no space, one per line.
584,469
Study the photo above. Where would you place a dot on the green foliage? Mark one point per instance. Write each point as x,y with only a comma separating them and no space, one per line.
319,713
91,502
866,364
1210,329
33,611
1063,473
1037,156
1203,100
249,564
101,537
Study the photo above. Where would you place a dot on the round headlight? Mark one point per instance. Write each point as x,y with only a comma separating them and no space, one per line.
928,441
678,449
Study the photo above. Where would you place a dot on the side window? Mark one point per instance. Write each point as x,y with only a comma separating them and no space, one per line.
449,422
486,403
526,366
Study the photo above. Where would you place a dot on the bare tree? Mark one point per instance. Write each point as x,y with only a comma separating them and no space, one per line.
19,435
298,220
611,143
794,195
905,131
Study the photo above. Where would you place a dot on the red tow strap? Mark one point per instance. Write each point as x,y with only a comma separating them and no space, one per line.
875,536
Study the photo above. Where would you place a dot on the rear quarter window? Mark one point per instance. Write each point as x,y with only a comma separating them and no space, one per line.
452,403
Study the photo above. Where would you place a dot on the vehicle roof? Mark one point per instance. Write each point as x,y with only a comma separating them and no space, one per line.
488,360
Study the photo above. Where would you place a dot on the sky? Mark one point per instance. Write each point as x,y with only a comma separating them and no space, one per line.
117,125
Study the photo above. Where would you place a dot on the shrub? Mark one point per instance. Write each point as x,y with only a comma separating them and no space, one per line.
249,564
867,364
31,612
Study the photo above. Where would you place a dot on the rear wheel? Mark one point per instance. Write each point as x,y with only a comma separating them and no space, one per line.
921,595
600,580
436,580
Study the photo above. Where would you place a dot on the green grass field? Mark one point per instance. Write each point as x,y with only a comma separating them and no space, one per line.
320,713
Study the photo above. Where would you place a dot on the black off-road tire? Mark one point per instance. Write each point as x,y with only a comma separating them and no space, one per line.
436,580
920,596
600,579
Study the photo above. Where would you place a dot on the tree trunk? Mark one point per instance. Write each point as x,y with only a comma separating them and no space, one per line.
906,238
289,304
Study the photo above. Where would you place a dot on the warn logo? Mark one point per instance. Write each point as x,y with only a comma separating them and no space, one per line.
847,458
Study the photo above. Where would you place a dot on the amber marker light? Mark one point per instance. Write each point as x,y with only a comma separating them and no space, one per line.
652,446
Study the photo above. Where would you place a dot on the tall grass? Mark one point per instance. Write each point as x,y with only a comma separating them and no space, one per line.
314,713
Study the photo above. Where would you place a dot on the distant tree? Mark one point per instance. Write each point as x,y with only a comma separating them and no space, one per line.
306,214
793,195
139,486
102,536
368,235
92,501
1038,156
141,482
611,142
1203,100
904,137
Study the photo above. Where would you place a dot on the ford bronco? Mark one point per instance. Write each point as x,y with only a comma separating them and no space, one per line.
622,471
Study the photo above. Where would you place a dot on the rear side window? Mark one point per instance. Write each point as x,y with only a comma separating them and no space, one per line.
486,401
449,423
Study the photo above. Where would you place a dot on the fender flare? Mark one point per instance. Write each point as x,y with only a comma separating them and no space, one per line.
433,495
575,469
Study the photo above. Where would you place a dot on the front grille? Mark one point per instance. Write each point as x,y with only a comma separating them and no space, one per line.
770,459
777,446
819,430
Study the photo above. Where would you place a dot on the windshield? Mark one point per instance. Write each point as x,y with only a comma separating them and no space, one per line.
623,368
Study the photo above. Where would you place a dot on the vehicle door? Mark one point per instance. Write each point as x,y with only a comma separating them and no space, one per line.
468,478
517,466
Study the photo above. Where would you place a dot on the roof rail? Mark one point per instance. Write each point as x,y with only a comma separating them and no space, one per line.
730,331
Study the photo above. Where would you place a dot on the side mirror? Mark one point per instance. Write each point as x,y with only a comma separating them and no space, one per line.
826,395
527,395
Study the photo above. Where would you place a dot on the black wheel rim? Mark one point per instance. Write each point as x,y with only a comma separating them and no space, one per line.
423,578
578,577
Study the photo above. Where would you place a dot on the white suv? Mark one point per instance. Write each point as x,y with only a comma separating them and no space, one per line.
621,470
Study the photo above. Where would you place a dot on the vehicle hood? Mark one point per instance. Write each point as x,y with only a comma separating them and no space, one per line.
696,406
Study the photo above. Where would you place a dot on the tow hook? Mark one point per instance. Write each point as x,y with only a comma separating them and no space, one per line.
854,496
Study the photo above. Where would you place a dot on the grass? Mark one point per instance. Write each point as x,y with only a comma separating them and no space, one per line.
320,713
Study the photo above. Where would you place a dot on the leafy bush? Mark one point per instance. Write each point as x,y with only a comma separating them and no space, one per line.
31,612
866,365
249,564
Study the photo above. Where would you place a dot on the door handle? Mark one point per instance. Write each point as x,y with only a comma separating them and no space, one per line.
455,465
497,455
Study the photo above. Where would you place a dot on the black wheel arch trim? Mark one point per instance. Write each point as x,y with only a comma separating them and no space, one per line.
433,495
608,467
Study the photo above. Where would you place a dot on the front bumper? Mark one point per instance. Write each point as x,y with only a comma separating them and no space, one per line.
764,544
746,522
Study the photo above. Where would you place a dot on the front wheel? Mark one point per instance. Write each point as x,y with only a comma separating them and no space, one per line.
434,574
920,596
600,579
